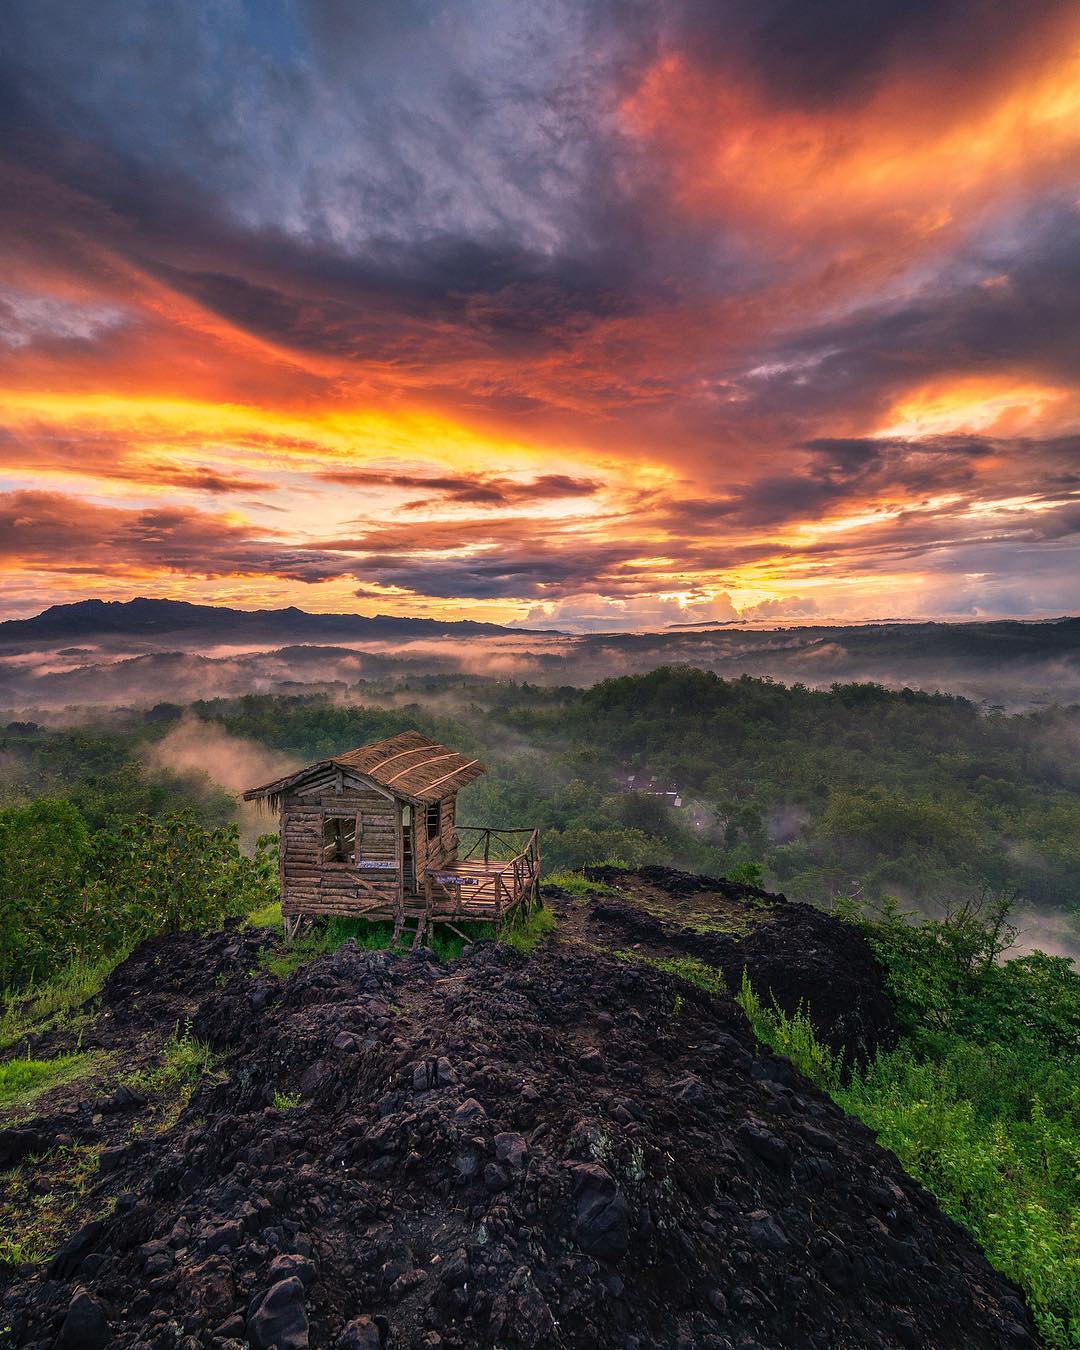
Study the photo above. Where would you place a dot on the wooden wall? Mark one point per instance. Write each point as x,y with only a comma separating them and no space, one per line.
311,886
433,853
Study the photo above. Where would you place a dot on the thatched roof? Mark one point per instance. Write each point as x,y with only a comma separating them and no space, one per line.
409,765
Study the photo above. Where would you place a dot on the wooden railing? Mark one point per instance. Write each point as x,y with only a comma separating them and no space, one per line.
519,866
497,845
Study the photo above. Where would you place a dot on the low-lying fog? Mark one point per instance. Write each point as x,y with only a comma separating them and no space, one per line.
1014,666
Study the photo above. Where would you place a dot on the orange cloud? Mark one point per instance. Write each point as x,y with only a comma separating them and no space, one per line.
914,160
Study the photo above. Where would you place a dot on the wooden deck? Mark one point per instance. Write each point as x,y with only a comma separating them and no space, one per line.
499,870
497,875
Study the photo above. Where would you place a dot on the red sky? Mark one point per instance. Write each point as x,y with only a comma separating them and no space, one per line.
602,316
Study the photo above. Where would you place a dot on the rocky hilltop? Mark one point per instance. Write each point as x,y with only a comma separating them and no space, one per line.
573,1148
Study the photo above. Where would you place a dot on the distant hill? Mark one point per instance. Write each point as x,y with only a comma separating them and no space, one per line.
155,619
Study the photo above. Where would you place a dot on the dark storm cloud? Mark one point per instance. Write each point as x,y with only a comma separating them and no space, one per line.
824,53
833,472
530,573
1005,306
360,165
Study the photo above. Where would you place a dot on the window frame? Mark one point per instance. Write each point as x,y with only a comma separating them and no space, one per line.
338,817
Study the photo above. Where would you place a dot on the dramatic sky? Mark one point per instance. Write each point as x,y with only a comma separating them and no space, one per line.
594,313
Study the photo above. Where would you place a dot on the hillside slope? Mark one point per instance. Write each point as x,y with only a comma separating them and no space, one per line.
572,1149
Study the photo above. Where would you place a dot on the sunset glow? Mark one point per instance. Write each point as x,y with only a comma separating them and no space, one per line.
664,316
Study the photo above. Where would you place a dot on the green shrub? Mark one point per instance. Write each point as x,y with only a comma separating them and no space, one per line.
991,1129
45,850
582,846
68,896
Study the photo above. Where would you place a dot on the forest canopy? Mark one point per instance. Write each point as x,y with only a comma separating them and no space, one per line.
856,790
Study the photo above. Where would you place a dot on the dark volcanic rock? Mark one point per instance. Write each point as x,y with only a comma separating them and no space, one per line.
85,1327
16,1144
278,1320
454,1179
793,953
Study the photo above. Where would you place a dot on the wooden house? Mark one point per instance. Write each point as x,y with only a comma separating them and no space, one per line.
373,834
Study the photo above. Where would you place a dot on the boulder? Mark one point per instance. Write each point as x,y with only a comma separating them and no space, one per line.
85,1326
279,1319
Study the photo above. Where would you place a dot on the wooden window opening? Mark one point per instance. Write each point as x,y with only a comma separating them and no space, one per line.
433,820
339,839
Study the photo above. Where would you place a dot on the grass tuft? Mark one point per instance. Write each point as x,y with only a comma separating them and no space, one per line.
688,968
328,936
693,971
526,936
184,1063
576,883
39,1202
269,916
21,1080
56,1002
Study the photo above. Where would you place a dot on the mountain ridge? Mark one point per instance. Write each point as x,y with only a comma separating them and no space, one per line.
154,616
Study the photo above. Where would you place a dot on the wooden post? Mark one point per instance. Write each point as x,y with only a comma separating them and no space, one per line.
399,846
281,851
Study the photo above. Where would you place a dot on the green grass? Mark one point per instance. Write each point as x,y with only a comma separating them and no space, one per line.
267,917
688,968
576,883
286,1101
326,937
693,971
21,1080
991,1130
525,936
183,1064
40,1203
55,1002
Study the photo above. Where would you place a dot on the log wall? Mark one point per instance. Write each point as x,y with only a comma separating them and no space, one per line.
433,853
312,885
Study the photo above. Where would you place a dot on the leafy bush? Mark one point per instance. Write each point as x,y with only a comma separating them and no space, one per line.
582,847
981,1100
45,854
69,895
948,981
